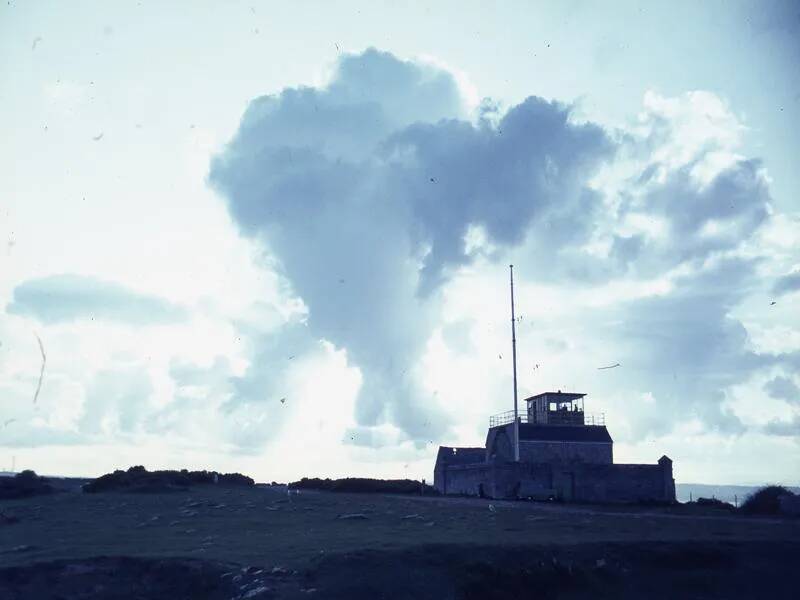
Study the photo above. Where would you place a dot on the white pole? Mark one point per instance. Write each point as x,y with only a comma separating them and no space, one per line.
514,363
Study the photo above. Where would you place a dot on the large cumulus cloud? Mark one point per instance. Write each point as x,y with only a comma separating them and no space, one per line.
365,189
372,196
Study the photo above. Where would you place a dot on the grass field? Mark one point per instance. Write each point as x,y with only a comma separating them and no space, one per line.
403,546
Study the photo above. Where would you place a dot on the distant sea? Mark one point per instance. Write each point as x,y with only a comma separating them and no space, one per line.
727,493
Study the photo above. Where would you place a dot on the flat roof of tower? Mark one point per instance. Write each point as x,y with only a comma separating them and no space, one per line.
558,396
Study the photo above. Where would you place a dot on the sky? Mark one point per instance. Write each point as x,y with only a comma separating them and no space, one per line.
274,238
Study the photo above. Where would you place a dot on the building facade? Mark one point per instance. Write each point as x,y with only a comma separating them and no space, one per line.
563,454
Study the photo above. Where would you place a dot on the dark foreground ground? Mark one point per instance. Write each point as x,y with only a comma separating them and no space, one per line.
258,543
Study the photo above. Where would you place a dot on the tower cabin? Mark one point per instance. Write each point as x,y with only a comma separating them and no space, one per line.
554,429
559,408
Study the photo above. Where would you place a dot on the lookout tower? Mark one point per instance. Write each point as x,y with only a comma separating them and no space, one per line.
552,408
560,408
554,428
552,449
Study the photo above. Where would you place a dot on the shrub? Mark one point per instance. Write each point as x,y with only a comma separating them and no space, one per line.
24,484
714,503
765,501
139,479
364,485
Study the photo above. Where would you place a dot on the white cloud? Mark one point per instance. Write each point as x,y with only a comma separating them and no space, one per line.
697,129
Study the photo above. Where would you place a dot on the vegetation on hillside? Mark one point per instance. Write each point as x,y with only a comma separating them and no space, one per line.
713,503
139,479
24,484
364,485
765,501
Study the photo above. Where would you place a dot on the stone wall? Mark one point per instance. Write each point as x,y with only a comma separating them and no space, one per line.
570,482
496,480
535,480
618,483
468,480
553,452
493,480
500,445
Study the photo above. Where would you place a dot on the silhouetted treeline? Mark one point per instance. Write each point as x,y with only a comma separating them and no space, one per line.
364,485
714,503
24,484
139,479
768,500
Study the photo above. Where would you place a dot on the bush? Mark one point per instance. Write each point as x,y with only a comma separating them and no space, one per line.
364,486
765,501
139,479
714,503
24,484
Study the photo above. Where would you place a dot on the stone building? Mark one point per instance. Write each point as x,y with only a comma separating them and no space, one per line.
562,453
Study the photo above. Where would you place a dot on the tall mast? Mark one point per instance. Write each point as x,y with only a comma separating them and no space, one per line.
514,363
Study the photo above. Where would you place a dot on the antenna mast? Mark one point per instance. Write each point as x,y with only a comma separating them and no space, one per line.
514,363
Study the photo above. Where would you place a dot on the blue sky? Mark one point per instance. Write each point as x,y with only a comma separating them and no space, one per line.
274,237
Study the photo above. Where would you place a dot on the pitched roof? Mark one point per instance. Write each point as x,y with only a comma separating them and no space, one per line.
460,456
563,433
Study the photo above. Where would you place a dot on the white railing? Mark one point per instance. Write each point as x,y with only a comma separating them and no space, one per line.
553,418
506,417
598,419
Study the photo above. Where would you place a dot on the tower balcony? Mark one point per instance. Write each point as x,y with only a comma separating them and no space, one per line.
550,417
